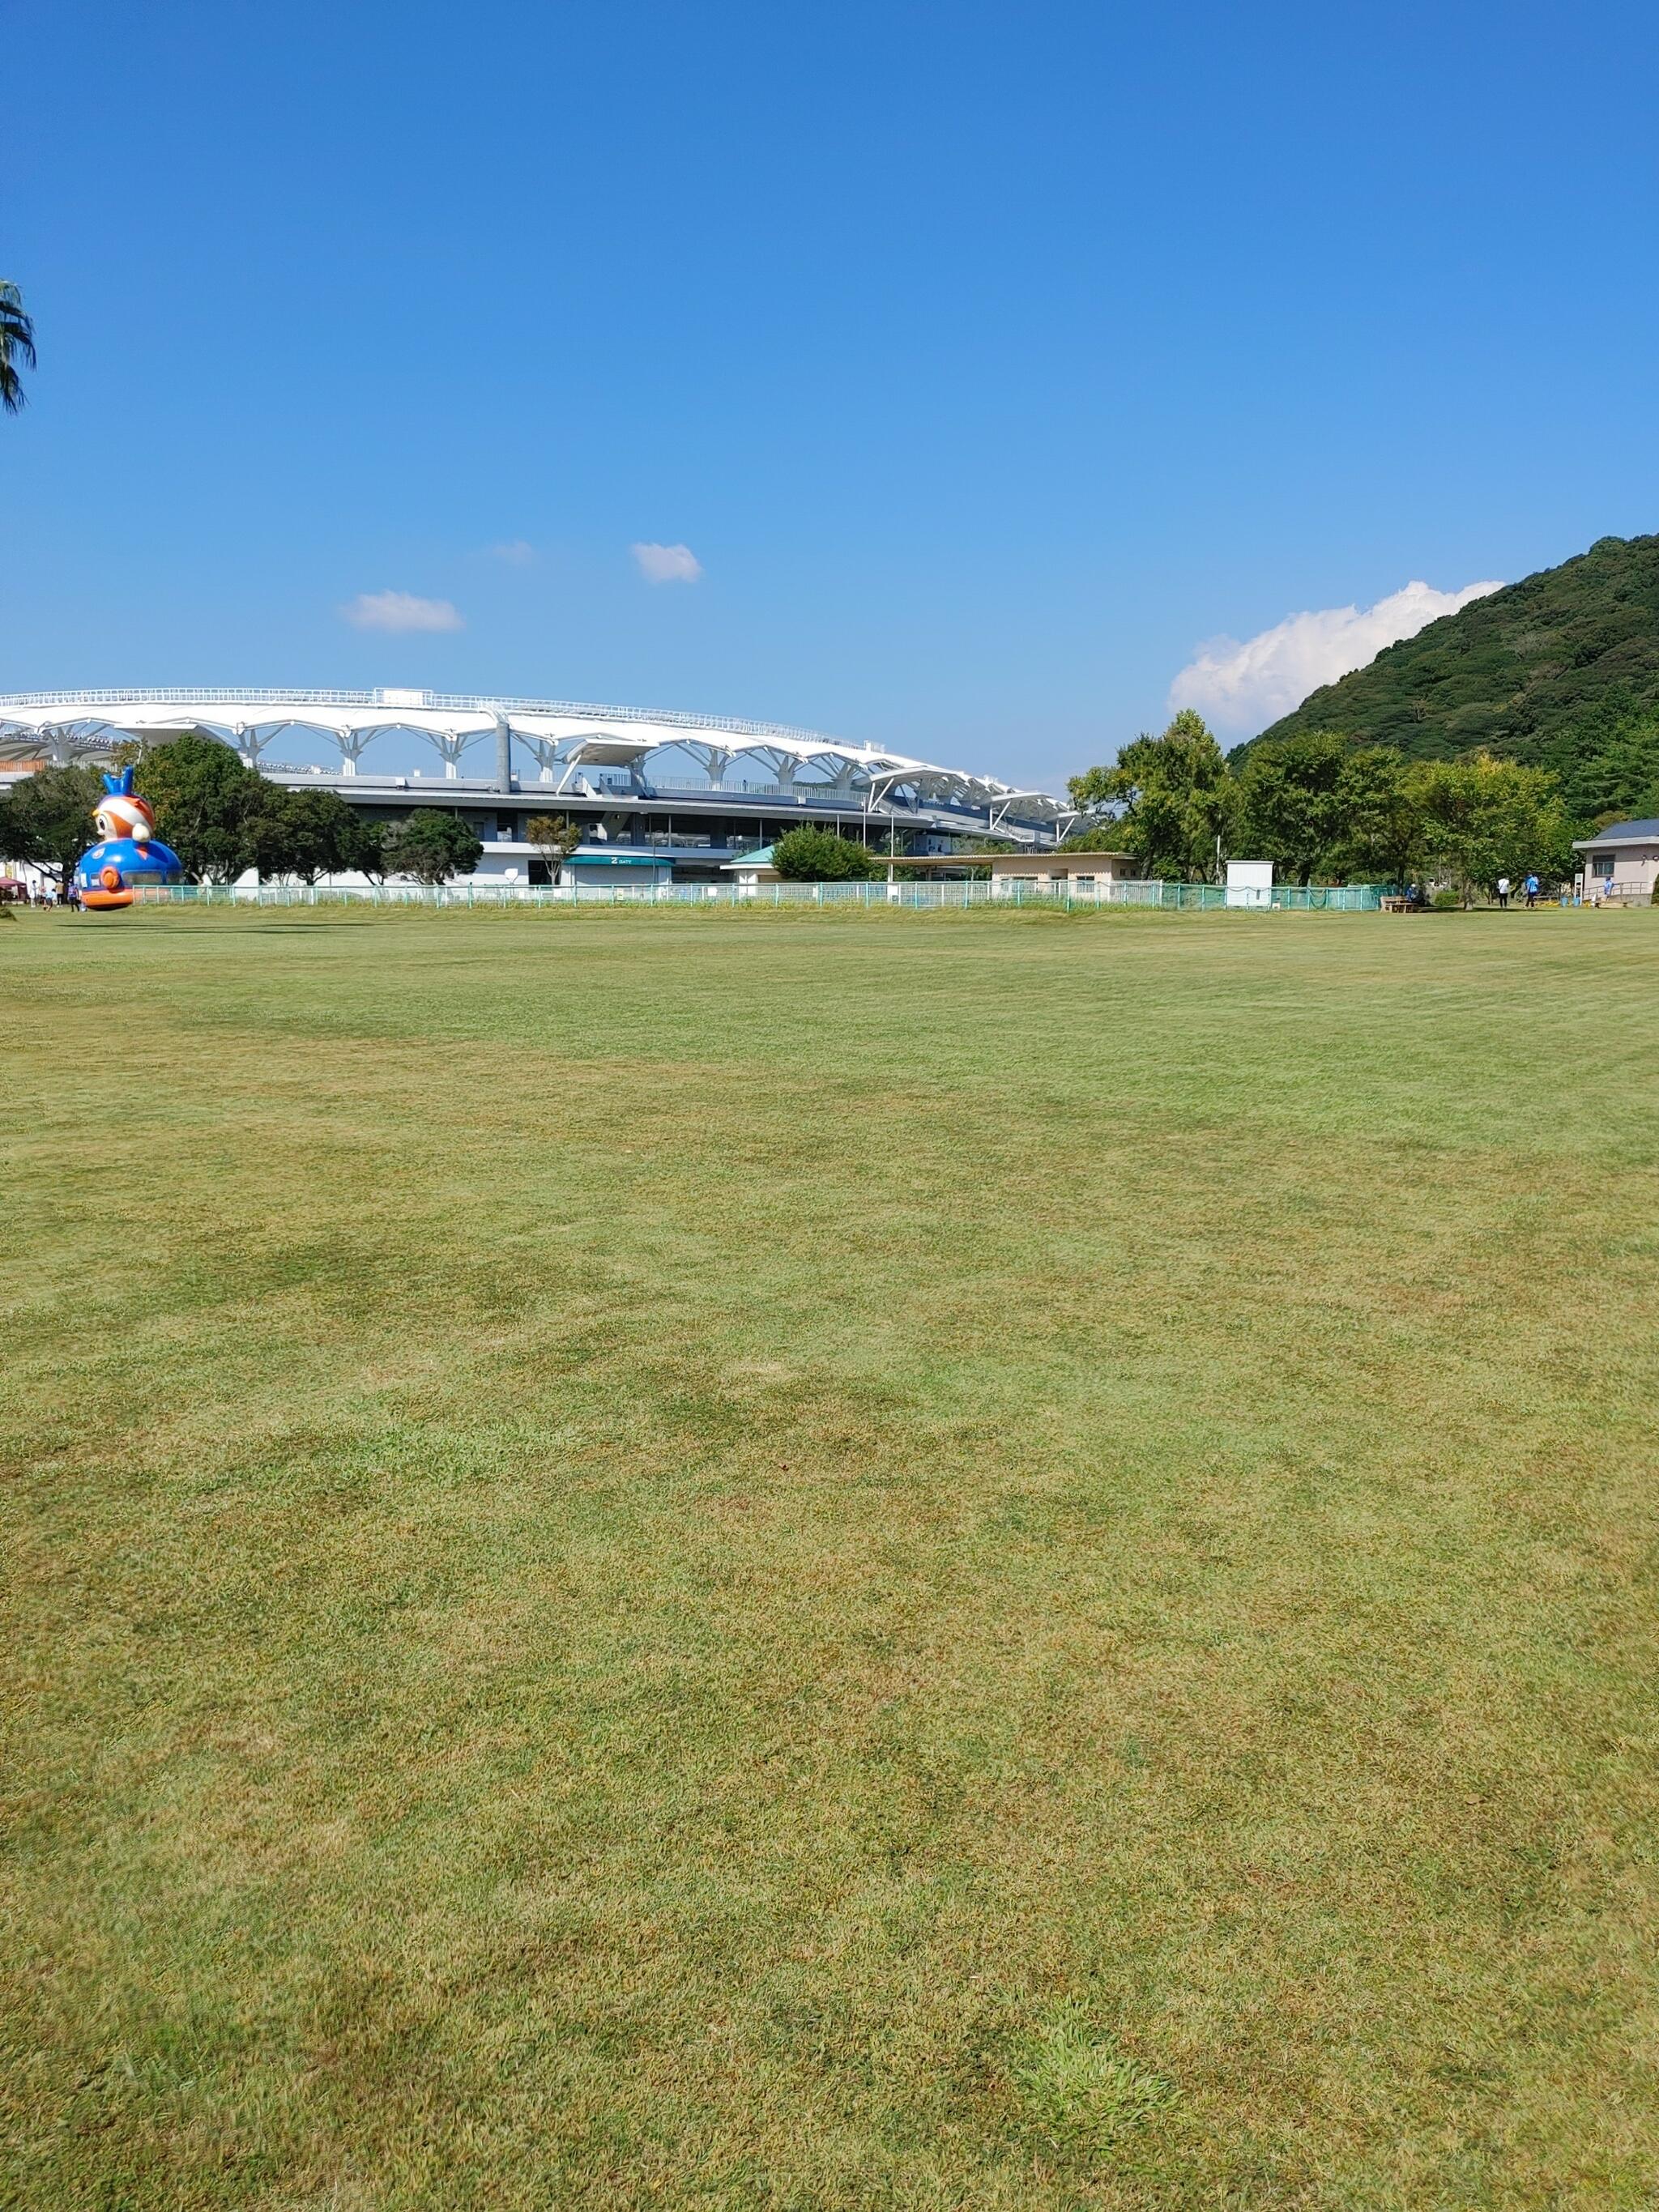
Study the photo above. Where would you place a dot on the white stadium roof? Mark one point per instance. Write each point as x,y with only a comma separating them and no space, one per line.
562,735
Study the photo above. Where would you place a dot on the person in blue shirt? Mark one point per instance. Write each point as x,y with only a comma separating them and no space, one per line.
1531,889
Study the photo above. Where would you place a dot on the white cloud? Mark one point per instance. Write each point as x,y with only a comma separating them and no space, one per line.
667,564
399,610
517,552
1241,688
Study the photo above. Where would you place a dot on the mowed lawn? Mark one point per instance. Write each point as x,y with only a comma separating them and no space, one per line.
910,1561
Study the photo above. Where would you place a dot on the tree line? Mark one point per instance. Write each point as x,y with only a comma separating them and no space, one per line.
1320,807
1323,809
222,817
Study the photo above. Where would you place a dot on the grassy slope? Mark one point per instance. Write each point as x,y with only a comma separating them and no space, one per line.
641,1546
1540,672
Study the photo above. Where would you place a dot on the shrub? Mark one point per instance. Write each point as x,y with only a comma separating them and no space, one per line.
807,855
1445,902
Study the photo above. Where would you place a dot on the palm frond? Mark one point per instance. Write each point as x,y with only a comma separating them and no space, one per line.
16,344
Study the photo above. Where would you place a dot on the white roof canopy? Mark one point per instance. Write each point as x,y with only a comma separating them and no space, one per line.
560,735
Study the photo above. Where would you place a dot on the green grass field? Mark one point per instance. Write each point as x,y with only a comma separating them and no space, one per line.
789,1562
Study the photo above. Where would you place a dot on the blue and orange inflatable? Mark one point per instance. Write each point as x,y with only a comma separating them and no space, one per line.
128,856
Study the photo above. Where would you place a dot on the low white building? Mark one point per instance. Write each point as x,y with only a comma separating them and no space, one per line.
1058,874
1621,861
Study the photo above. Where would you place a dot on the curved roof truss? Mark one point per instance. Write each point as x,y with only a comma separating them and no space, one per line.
561,737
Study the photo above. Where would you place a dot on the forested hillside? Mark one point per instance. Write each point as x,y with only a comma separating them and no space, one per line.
1560,671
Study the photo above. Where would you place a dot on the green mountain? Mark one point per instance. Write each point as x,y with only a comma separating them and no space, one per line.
1560,671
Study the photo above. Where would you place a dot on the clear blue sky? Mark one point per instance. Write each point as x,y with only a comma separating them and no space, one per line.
988,358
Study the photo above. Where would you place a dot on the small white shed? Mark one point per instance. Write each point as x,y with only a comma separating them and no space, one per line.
1250,882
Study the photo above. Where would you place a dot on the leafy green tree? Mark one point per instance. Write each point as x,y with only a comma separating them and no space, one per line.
208,804
16,345
365,851
1323,808
1290,802
556,837
47,818
432,846
1166,801
1378,836
812,856
1483,818
306,834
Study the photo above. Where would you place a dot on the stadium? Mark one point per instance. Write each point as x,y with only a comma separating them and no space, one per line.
682,794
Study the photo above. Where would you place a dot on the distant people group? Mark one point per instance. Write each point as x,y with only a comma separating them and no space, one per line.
1529,890
1418,900
44,893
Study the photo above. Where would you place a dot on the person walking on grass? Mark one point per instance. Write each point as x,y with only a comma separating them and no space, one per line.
1503,891
1530,887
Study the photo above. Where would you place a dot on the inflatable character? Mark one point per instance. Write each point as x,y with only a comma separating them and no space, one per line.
128,855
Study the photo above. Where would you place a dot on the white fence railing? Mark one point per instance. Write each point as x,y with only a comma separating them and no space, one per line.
1206,898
